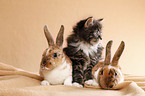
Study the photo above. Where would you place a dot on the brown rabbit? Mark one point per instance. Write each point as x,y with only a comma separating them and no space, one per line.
55,66
108,74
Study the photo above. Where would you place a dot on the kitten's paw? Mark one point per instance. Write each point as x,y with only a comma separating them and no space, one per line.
91,82
45,83
77,85
68,81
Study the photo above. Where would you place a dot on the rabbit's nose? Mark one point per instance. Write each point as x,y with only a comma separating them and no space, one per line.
45,61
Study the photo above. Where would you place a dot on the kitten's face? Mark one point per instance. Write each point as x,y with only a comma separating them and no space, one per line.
91,30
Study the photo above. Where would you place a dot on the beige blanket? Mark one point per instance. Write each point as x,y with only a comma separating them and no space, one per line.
17,82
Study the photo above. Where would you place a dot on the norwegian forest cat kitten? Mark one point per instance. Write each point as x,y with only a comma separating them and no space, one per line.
84,49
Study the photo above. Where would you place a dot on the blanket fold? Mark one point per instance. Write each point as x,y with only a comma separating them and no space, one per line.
17,82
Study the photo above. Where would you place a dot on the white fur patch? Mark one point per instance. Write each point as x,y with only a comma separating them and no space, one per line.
92,82
122,76
45,83
77,85
87,48
96,74
46,68
109,67
68,81
58,74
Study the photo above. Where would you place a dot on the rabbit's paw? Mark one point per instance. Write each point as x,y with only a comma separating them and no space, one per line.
77,85
44,82
68,81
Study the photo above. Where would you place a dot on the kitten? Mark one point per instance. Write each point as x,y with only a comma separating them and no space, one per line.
84,49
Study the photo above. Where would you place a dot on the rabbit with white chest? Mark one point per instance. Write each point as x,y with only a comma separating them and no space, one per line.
55,66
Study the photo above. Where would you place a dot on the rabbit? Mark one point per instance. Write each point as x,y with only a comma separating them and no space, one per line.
55,67
108,74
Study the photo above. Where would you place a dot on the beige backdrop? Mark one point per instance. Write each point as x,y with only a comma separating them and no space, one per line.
21,28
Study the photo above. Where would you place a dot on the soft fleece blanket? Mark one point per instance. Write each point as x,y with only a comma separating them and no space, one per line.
17,82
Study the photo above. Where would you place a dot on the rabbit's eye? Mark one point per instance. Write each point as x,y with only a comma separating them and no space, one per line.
101,72
115,73
54,55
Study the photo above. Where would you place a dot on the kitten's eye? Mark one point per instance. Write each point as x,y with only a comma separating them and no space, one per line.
54,55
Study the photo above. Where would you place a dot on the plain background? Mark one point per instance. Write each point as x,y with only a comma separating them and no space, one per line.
22,41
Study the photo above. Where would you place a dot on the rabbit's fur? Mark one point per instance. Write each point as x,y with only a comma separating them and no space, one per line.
108,74
55,66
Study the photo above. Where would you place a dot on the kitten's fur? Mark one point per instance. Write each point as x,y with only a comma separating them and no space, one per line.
84,49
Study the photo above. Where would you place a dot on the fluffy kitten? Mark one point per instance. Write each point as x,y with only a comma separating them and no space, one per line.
84,49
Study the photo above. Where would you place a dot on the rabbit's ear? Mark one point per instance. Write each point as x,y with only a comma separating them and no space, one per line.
48,36
89,22
118,54
59,39
108,53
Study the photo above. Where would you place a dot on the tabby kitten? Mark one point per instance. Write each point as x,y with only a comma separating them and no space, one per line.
84,49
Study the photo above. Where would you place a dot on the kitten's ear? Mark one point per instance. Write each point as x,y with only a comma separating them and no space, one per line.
89,22
100,20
